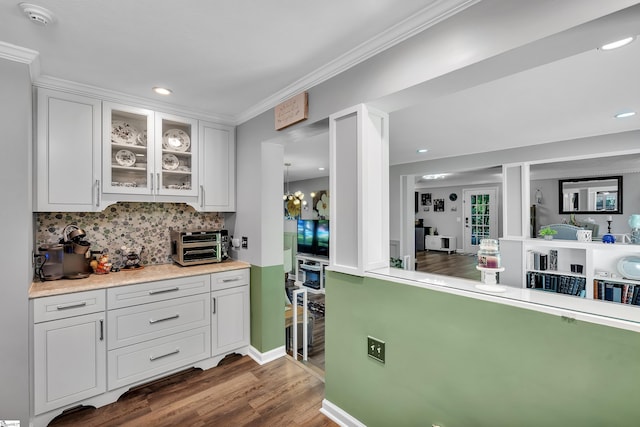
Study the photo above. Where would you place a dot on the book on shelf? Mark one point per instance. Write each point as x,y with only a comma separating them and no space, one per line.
623,293
568,285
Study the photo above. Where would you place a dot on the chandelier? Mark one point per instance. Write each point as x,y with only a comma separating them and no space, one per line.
294,200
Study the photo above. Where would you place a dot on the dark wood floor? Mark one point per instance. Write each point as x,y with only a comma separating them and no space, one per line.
454,265
238,393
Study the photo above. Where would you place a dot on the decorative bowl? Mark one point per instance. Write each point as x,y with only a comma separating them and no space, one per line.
629,267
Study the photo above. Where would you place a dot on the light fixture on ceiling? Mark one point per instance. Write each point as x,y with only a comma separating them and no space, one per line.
320,169
296,198
422,150
616,44
162,90
37,14
434,176
625,114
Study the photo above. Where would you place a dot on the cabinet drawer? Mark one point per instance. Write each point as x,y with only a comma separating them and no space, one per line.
229,279
139,362
68,305
126,296
131,325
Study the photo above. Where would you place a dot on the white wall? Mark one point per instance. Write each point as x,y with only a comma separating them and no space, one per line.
548,210
16,224
449,222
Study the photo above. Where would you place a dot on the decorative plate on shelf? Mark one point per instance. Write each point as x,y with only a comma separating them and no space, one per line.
629,267
125,158
176,140
170,162
141,139
123,133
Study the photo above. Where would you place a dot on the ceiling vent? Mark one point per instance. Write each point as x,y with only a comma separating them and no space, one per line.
37,14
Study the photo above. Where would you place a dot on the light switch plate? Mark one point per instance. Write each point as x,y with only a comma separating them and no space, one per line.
375,349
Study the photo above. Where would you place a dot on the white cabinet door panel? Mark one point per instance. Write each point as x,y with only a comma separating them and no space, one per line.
69,361
230,319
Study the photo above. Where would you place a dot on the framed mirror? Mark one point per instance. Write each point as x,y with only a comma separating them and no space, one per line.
594,195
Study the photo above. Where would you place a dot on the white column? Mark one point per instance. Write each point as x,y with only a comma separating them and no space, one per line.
359,183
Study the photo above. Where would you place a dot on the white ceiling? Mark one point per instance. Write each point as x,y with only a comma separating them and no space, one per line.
236,59
224,58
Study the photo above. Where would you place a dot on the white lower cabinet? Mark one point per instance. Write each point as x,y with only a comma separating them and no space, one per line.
90,346
69,353
230,314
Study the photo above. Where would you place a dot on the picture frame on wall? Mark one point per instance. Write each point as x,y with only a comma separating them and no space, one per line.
426,199
438,205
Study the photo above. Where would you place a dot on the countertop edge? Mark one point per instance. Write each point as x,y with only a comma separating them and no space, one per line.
150,273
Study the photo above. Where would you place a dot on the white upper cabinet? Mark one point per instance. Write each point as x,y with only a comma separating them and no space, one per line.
217,167
91,153
149,154
128,154
67,153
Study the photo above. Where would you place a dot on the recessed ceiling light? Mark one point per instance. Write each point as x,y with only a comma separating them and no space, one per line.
617,44
434,176
162,90
422,150
320,169
625,114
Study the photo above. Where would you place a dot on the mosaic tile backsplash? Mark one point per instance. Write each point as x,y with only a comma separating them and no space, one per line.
134,225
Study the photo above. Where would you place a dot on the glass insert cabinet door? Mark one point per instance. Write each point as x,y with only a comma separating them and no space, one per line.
176,155
480,220
148,153
128,135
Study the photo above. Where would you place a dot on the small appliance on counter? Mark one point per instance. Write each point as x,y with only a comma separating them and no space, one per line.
199,246
65,260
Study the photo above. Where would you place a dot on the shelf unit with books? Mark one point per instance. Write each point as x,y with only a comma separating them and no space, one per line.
555,266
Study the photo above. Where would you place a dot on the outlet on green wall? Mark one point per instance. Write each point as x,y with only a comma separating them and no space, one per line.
458,361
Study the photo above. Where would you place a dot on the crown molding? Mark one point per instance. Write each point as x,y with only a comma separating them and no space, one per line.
436,12
23,55
82,89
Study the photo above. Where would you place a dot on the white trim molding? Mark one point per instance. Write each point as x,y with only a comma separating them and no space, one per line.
269,356
23,55
427,17
338,415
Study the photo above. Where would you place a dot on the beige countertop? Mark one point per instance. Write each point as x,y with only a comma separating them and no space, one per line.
129,277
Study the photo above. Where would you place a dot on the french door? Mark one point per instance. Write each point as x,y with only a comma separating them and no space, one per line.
480,217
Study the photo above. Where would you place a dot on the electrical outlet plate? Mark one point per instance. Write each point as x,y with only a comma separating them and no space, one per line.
245,243
375,349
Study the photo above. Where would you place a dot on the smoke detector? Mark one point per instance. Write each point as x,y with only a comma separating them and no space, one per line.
37,14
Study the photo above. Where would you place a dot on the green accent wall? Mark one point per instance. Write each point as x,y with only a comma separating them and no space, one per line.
457,361
267,307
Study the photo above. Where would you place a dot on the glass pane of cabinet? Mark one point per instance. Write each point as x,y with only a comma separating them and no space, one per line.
127,149
176,158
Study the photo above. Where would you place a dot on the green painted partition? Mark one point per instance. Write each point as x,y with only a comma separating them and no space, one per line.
267,307
458,361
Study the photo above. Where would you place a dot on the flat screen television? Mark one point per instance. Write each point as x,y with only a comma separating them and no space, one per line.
313,237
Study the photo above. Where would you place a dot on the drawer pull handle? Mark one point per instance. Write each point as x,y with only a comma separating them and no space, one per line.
152,321
176,351
235,279
68,306
163,291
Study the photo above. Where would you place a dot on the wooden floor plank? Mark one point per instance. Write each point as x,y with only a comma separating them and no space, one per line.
240,393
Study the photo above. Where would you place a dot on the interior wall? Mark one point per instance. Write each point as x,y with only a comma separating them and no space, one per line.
450,222
457,361
16,225
548,210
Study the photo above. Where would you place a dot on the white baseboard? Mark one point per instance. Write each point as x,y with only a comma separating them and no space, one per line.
269,356
339,416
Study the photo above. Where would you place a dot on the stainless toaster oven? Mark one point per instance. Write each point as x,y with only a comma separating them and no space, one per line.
199,247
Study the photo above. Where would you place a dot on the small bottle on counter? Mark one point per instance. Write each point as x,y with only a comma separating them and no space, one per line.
489,254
